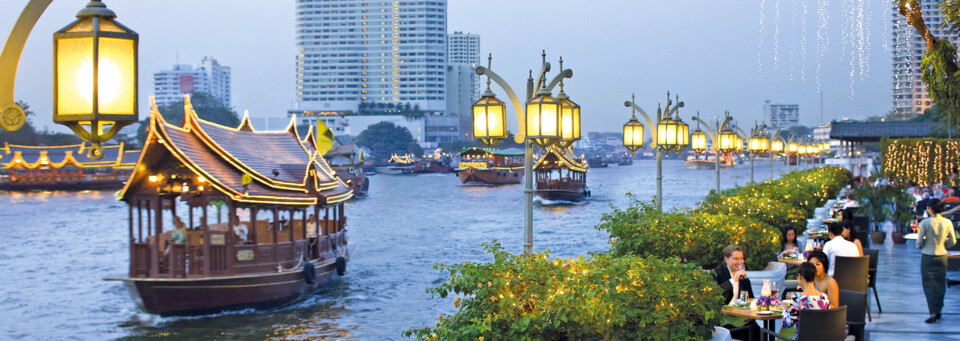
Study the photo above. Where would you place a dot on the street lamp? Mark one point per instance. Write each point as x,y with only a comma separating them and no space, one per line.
542,123
759,143
698,140
723,138
669,134
777,146
94,74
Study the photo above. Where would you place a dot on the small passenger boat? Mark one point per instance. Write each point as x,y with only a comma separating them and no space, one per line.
220,218
490,167
560,176
67,167
597,162
707,160
398,165
625,161
346,161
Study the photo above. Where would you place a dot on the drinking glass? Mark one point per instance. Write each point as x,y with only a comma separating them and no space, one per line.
773,289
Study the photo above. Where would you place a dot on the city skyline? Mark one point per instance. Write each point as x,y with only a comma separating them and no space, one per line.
705,52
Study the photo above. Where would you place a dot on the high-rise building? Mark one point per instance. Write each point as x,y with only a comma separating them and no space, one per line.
210,77
463,84
463,48
910,97
781,115
352,51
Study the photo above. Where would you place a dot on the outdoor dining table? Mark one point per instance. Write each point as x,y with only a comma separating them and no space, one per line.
769,320
791,261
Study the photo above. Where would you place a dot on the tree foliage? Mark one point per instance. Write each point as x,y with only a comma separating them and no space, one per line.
538,298
939,66
386,138
29,135
207,106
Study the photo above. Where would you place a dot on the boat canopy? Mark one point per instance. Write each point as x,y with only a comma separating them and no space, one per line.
555,157
271,167
498,152
31,157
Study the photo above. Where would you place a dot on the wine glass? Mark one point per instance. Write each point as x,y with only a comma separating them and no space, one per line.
774,289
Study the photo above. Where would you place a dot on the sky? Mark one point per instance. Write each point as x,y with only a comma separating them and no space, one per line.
717,55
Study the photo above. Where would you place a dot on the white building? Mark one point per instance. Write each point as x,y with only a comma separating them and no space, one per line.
910,97
781,116
461,94
464,48
352,50
210,77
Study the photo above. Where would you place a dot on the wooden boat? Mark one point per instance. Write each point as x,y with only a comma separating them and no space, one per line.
398,165
707,160
625,161
343,159
244,199
490,167
441,165
597,162
560,176
64,167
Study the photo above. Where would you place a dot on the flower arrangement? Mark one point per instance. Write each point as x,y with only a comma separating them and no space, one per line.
768,302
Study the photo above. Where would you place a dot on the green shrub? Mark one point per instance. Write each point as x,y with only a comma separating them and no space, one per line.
771,212
696,237
613,297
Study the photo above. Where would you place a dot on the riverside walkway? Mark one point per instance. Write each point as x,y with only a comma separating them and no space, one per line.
902,300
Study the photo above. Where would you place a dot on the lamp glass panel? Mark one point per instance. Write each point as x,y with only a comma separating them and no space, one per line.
569,122
85,25
74,76
480,121
683,135
108,26
698,141
495,121
116,77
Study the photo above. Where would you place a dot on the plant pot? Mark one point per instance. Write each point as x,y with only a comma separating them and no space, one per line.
878,237
897,237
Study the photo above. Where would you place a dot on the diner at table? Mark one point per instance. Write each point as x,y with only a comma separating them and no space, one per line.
838,246
731,276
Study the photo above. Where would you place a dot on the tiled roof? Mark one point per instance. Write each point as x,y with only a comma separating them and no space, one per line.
58,156
564,155
874,131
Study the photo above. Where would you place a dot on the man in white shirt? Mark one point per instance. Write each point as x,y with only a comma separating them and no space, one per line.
837,246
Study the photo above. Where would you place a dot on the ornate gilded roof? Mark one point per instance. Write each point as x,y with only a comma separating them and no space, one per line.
75,155
282,169
564,157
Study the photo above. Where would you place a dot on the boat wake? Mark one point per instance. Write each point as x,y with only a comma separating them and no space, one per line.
544,202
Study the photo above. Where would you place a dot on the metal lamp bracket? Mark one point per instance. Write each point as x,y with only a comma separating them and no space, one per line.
12,117
520,137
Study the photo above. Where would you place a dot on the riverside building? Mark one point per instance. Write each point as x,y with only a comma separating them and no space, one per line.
910,97
781,115
210,77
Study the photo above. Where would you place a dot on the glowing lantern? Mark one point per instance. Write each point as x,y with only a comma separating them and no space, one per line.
776,146
489,119
792,148
759,143
633,134
698,141
543,119
673,134
727,141
569,119
95,76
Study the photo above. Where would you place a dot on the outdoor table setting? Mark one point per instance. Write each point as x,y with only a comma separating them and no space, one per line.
793,259
749,311
818,235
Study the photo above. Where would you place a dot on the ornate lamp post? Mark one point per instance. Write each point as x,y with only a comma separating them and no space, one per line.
759,143
776,147
94,74
669,134
544,123
724,139
792,149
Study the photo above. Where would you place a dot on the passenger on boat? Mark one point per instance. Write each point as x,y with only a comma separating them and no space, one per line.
240,229
311,234
178,236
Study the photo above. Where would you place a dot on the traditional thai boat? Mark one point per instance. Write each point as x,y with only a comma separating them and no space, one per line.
398,165
344,160
220,218
66,167
707,160
560,176
490,167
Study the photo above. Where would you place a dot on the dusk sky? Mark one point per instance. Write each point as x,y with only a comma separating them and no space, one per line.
708,52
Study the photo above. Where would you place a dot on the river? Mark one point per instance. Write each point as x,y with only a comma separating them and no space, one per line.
55,248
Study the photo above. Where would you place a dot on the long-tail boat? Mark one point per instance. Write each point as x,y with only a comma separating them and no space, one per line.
490,167
65,167
560,176
220,218
343,159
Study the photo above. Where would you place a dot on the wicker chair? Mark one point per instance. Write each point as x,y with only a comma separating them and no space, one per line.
851,274
819,324
874,255
856,303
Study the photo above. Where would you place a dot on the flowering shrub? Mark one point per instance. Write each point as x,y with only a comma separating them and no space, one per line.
770,212
538,298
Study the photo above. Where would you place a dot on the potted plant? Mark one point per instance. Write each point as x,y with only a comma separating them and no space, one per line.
873,202
902,214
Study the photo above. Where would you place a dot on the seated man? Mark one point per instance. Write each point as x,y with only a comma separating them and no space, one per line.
240,229
951,197
731,276
838,246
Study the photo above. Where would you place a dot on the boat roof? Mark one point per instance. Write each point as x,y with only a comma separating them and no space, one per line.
565,156
499,152
31,157
282,169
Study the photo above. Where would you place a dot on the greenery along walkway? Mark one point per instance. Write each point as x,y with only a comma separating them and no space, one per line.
649,286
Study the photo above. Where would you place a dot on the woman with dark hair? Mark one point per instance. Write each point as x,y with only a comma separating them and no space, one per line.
788,241
850,234
933,238
810,298
823,282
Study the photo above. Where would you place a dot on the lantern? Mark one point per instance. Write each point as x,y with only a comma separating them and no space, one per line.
728,141
569,119
672,134
792,148
633,134
543,119
489,119
776,146
759,143
95,76
739,145
698,141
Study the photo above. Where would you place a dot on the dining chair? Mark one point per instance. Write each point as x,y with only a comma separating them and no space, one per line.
874,255
819,324
856,303
851,274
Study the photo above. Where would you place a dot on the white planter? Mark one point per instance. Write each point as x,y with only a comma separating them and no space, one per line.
831,202
775,272
820,212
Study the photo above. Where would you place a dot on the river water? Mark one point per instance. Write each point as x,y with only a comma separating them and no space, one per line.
55,248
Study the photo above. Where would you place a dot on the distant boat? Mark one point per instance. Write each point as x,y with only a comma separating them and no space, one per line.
625,161
490,167
398,165
707,160
560,176
67,167
597,162
343,160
